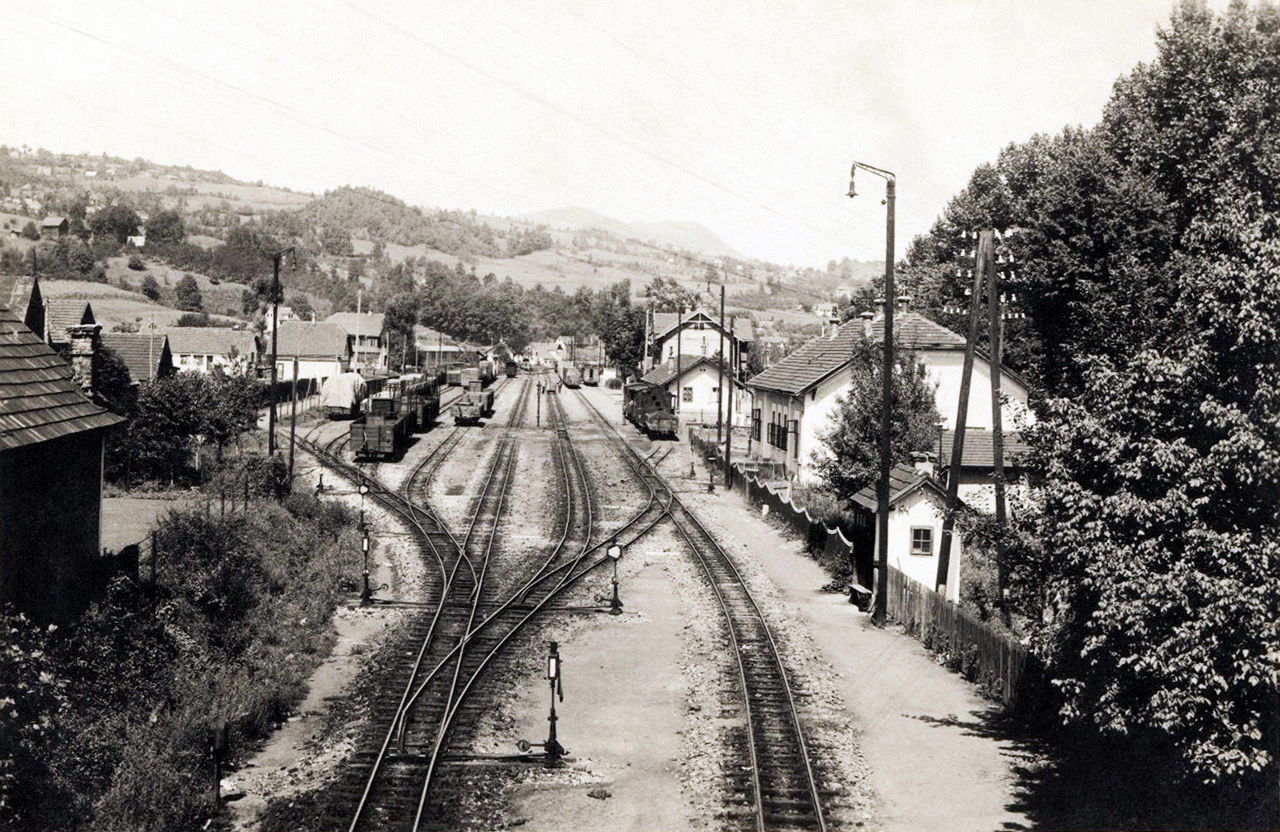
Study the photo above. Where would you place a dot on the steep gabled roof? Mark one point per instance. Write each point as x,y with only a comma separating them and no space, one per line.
821,357
211,340
62,314
52,221
39,400
146,355
665,323
903,481
664,374
368,324
305,339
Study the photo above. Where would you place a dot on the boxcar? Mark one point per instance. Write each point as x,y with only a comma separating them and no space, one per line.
475,404
453,376
486,372
591,374
511,368
380,433
570,376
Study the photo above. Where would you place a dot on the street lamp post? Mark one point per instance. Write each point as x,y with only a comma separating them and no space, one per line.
886,395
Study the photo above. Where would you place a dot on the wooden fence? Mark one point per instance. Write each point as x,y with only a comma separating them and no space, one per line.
990,658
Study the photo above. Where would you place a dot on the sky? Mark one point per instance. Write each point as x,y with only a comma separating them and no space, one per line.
744,117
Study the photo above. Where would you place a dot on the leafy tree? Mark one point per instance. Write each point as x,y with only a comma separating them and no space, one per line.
166,229
188,294
194,319
301,306
115,222
401,316
30,231
150,288
665,294
850,457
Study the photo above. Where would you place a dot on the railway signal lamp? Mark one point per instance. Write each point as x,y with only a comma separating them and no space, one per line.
366,595
364,489
615,604
554,750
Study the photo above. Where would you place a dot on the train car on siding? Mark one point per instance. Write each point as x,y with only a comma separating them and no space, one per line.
648,407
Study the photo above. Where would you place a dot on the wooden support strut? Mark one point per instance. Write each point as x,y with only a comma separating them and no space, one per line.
985,255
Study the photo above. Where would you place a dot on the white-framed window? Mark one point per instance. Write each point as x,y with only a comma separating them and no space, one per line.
687,394
922,540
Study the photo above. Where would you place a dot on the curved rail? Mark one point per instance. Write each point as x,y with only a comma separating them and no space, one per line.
768,700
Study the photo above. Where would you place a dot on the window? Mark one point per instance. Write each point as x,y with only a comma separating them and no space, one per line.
755,423
778,431
921,540
686,395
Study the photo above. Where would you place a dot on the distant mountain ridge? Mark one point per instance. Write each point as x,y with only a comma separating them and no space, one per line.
687,235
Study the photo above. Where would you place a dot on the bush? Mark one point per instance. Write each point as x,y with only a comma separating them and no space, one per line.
614,383
135,263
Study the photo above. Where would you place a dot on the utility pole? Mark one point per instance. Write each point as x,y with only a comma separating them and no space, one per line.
720,370
728,433
880,613
962,411
679,332
997,426
293,416
275,332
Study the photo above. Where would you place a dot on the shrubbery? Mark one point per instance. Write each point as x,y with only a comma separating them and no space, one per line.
114,711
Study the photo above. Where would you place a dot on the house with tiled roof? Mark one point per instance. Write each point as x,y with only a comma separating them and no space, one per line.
202,349
696,332
368,334
53,227
977,464
321,349
21,294
694,384
51,451
146,354
796,399
917,504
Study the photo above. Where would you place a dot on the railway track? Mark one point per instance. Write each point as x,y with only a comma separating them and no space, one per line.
466,625
774,786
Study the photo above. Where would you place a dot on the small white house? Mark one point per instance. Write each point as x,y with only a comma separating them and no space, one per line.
202,349
916,508
322,350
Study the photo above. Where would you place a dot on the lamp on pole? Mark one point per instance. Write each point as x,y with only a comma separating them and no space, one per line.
880,611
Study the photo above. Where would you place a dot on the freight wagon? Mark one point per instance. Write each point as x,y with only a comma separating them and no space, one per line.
475,404
382,432
648,407
591,374
570,376
342,395
453,376
511,368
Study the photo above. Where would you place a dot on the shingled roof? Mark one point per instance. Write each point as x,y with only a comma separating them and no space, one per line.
39,400
62,314
979,449
368,324
210,340
821,357
903,480
305,339
138,351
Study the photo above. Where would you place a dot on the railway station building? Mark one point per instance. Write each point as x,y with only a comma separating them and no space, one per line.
367,332
693,385
696,333
795,401
52,436
322,349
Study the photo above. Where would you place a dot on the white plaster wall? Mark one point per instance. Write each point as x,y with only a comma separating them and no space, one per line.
704,380
922,509
820,408
308,368
946,368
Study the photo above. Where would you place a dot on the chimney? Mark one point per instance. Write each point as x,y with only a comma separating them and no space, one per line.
866,323
923,464
84,345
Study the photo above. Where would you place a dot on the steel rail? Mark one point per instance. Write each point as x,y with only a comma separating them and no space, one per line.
676,508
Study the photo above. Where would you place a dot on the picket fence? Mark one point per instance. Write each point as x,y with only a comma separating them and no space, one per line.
991,658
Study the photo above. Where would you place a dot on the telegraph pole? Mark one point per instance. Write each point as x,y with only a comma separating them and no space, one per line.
880,613
720,369
997,426
293,416
984,254
728,432
275,331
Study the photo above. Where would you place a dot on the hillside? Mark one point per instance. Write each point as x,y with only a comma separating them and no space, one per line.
682,236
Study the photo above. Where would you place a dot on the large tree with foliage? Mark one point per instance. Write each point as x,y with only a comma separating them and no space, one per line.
1148,264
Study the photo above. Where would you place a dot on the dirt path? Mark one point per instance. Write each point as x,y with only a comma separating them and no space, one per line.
932,766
